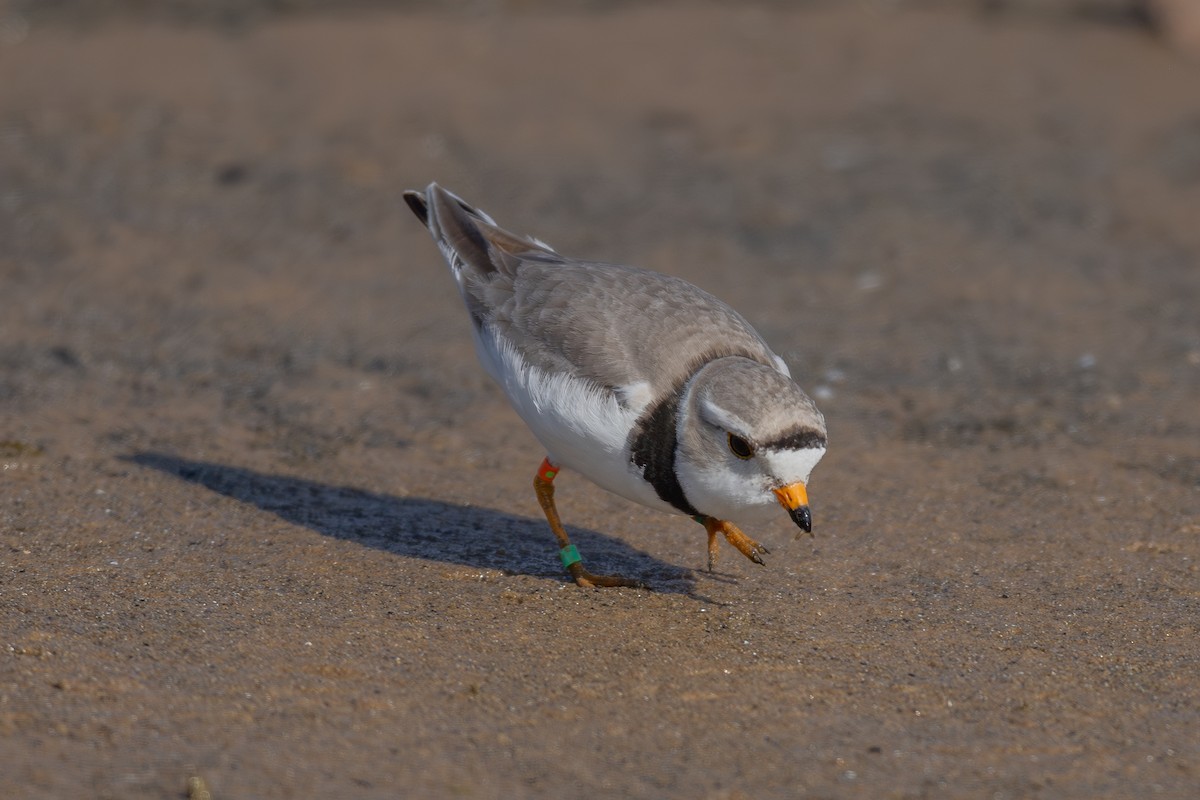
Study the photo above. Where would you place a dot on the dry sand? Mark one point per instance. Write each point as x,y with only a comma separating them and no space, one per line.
265,522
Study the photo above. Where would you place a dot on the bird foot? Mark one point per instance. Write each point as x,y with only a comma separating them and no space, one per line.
745,545
590,581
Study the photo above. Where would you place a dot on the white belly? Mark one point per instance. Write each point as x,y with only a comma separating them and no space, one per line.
582,427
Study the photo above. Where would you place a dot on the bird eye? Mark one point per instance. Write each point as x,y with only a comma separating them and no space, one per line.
740,447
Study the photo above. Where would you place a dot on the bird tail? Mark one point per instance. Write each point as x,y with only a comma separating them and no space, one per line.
470,240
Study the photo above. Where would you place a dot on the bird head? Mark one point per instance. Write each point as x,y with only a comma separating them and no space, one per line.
747,440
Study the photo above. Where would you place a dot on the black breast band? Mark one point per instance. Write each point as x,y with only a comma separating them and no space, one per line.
652,446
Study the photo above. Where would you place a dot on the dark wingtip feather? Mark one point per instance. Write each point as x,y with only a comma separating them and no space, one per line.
416,201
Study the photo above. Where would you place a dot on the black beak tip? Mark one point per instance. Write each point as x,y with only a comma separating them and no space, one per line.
802,517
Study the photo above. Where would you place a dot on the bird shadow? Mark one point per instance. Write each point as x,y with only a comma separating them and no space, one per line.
481,538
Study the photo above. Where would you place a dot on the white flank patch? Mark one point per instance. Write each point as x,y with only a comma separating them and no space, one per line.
582,427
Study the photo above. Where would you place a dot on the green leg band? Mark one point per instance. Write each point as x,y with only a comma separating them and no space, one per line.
569,556
699,519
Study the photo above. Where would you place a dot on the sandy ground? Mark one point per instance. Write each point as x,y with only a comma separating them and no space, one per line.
265,522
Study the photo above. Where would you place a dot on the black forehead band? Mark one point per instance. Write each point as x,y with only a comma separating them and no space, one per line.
800,440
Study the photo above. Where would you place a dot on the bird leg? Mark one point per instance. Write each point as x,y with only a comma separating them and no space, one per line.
714,545
745,545
543,485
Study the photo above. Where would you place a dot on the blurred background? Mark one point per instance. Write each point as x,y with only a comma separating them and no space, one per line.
264,521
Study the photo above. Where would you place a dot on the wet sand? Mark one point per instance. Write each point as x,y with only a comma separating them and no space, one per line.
265,522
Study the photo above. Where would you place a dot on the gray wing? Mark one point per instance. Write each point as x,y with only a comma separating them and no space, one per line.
616,326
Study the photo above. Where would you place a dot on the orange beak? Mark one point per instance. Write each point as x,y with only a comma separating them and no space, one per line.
794,498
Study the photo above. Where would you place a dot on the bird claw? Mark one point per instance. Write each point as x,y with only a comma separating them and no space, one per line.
745,545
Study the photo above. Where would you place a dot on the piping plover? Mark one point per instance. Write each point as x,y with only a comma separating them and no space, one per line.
648,386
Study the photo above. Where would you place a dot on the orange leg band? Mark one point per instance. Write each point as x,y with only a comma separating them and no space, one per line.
547,471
